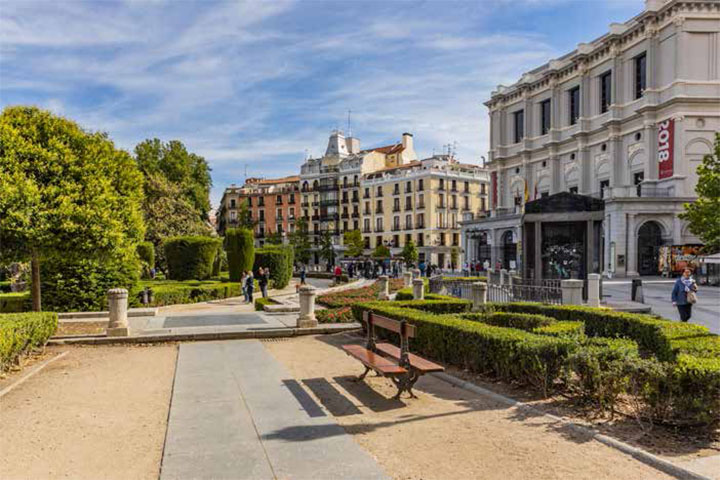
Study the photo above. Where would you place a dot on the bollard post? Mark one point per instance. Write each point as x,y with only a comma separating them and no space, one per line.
418,289
118,303
503,277
593,290
571,292
511,276
637,291
307,307
407,279
479,295
384,292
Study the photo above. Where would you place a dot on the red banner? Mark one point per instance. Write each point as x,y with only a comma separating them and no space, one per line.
666,144
493,187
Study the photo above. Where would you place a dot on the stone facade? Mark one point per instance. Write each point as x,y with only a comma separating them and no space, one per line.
627,118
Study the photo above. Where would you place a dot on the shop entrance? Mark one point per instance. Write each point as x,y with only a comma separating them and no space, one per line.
649,242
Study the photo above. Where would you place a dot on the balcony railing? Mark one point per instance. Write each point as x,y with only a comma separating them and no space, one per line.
345,215
396,228
379,230
355,199
379,210
396,209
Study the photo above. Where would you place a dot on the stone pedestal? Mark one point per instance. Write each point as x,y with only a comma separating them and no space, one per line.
118,303
407,279
571,292
307,307
384,283
418,289
416,273
478,295
503,277
593,290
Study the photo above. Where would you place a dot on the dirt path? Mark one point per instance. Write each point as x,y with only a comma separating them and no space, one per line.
447,433
99,412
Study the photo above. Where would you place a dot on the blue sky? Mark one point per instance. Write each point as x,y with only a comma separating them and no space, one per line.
256,84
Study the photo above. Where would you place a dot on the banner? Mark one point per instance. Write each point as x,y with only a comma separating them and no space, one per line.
666,144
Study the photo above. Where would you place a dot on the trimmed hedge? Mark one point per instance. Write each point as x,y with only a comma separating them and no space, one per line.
146,253
260,303
523,321
171,292
22,332
191,257
562,329
279,259
5,286
240,248
15,302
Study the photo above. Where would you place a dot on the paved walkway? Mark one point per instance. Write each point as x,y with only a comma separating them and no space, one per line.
237,413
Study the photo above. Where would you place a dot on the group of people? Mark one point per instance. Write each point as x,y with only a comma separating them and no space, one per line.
248,283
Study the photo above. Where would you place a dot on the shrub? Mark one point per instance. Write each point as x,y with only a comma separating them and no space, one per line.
240,247
220,264
5,286
69,285
523,321
172,292
190,257
404,294
694,389
15,302
335,315
22,332
260,303
562,329
279,259
146,253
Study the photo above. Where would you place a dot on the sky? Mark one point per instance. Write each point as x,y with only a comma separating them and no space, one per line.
257,85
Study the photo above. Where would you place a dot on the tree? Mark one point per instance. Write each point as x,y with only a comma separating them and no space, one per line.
274,238
300,241
240,247
245,219
327,249
454,256
66,194
354,242
703,215
410,254
381,251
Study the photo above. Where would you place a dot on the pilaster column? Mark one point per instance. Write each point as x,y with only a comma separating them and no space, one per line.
555,175
617,158
631,247
650,140
585,164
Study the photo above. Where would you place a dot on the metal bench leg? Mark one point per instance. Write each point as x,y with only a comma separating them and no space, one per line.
362,377
413,378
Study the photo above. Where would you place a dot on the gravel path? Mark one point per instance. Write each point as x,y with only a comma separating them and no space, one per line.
99,412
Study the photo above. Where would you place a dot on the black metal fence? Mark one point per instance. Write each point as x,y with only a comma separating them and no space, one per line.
524,293
452,287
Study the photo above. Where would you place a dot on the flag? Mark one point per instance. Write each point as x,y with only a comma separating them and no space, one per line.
527,192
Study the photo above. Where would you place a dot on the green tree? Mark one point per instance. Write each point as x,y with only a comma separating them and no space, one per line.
245,217
66,194
454,256
240,247
300,241
354,242
410,253
274,238
703,215
381,251
327,249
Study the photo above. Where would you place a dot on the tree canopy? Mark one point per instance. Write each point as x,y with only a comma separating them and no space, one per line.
410,253
66,192
703,215
354,242
300,241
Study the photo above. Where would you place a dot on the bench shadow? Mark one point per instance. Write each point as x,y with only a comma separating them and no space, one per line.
304,399
367,396
334,401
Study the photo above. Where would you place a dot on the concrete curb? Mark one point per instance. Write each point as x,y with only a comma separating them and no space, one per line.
641,455
37,369
189,337
93,316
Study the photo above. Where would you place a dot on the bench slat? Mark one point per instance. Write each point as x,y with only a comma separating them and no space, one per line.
392,325
418,363
373,360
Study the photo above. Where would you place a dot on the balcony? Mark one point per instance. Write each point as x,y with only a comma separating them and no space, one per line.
291,201
379,230
328,203
305,204
379,210
453,207
315,204
440,206
345,200
315,218
355,199
345,215
420,226
279,203
379,194
367,212
355,215
327,188
408,206
420,205
278,218
408,189
367,230
366,195
396,209
396,228
408,226
396,191
327,217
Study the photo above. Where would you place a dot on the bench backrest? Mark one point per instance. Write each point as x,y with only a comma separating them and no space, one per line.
398,326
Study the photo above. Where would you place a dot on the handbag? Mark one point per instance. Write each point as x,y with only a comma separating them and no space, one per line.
691,297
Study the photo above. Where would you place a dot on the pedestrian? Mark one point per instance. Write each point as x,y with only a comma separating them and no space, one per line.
338,274
243,282
351,270
263,280
303,274
249,286
683,294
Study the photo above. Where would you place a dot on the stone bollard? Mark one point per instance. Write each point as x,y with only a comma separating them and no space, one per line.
307,307
511,277
503,276
478,295
118,323
416,273
384,292
636,294
407,279
593,290
572,292
418,289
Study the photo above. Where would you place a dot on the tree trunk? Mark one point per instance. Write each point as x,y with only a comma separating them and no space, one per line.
35,267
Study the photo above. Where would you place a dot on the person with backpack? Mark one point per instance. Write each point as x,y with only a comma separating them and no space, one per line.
683,295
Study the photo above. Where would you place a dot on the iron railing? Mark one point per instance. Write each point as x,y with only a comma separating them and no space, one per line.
524,293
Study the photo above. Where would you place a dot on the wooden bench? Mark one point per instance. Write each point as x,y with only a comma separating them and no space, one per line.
387,360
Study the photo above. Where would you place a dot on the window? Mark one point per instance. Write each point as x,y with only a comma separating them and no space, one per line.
233,216
454,185
378,241
396,205
379,191
454,201
408,203
367,208
262,215
396,240
408,187
379,208
640,74
441,201
467,187
420,241
379,224
366,225
482,204
408,222
483,190
278,200
292,199
367,242
518,124
408,238
544,117
261,202
249,201
574,102
396,223
603,185
345,184
292,213
573,190
345,226
396,191
421,201
367,193
420,184
605,91
442,184
278,213
466,206
356,225
420,221
637,180
232,203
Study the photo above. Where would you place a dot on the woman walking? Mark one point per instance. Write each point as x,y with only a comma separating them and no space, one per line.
683,294
249,286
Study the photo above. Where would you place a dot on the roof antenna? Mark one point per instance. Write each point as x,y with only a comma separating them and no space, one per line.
245,172
349,132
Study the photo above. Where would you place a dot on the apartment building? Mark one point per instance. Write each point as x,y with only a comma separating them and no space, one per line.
423,201
625,118
274,205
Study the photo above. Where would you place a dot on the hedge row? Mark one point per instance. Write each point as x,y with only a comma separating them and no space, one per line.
22,332
240,248
260,303
15,302
191,257
279,259
171,293
523,321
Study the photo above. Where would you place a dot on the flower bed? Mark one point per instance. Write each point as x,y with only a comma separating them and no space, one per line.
335,315
346,298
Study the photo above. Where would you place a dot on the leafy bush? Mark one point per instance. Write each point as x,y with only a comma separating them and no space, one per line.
694,389
22,332
15,302
190,257
220,264
146,253
69,285
523,321
260,303
5,286
335,315
240,248
562,329
279,259
191,291
404,294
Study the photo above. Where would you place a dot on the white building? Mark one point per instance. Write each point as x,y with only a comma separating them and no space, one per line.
627,118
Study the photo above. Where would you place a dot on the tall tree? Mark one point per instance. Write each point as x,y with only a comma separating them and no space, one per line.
410,253
354,242
66,193
300,241
327,249
703,215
